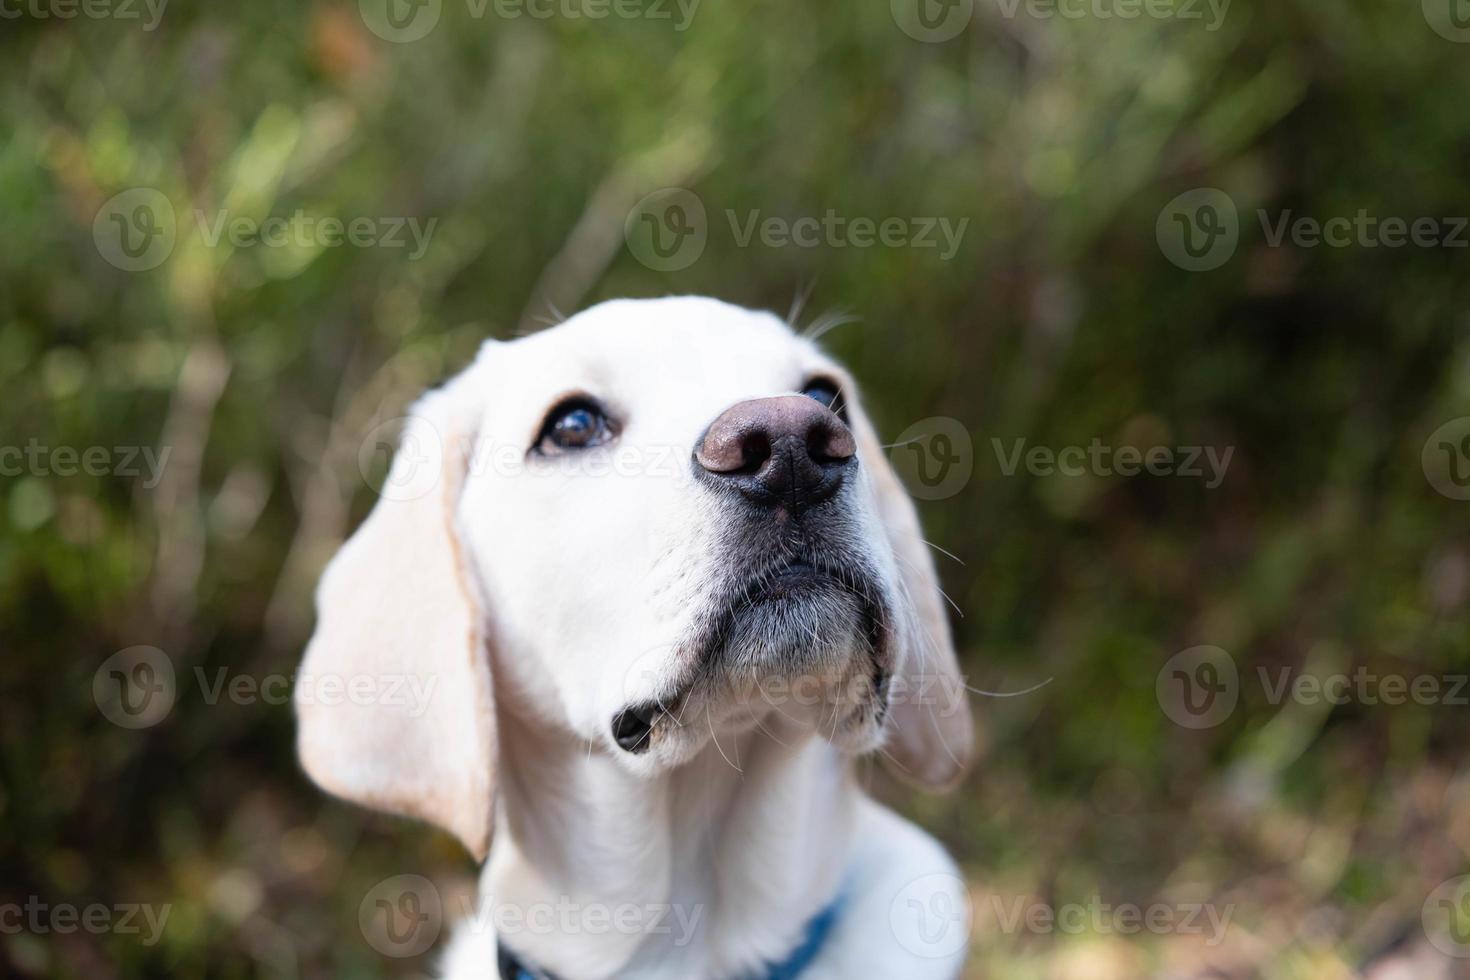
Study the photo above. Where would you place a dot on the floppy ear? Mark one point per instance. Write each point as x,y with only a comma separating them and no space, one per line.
930,732
398,616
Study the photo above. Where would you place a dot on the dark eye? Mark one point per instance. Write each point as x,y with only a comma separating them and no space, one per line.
827,393
575,424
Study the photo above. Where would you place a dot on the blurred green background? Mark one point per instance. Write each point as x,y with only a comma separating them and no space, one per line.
1060,319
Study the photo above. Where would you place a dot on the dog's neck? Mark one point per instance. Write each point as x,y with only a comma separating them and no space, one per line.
709,870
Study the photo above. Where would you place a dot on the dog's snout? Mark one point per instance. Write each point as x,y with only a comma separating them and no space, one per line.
789,451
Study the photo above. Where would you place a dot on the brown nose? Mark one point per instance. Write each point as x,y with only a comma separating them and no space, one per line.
790,451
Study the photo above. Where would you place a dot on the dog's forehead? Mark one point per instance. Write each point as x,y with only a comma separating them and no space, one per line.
693,351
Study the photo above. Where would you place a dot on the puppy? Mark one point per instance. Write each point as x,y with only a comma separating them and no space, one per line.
663,588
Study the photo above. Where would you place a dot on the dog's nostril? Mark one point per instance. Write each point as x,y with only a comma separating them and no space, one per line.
829,445
633,727
755,450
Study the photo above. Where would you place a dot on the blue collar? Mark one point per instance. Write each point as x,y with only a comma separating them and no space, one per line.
813,938
818,928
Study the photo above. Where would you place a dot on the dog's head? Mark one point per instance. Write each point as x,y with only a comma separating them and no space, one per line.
660,521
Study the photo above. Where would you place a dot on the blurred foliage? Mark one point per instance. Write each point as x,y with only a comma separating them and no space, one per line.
1059,320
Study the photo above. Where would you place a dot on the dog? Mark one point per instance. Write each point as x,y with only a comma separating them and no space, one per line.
663,588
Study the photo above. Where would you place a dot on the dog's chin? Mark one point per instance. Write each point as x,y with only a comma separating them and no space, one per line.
799,621
799,651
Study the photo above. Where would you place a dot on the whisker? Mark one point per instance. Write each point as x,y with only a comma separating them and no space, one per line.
798,303
1009,694
952,604
828,322
710,718
889,756
943,551
667,713
837,403
923,651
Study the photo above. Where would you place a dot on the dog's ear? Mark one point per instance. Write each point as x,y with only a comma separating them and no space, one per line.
394,702
931,735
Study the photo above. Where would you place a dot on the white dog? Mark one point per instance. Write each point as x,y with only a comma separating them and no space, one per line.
663,587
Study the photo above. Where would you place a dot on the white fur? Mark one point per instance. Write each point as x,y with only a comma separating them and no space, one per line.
542,596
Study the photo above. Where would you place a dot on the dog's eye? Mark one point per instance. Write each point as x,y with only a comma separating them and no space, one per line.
575,424
827,393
